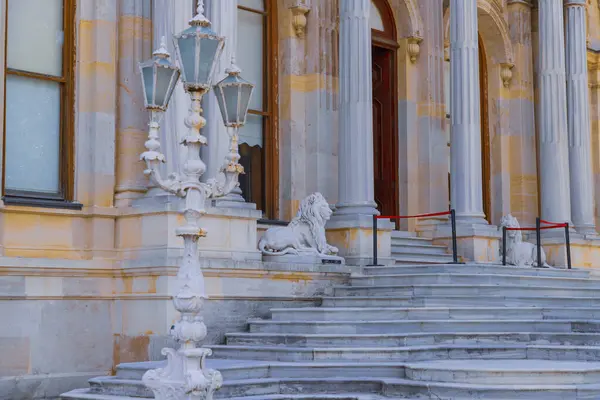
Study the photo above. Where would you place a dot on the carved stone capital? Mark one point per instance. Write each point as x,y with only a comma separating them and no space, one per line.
506,73
414,48
299,10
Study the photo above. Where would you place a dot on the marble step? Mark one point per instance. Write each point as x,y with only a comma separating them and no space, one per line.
463,290
412,326
505,372
418,249
409,354
403,388
270,369
401,257
474,279
389,388
431,313
85,394
469,300
411,241
411,269
342,396
408,339
250,387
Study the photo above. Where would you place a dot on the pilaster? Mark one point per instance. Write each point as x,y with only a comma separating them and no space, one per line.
580,165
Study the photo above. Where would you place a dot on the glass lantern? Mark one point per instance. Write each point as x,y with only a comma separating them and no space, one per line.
198,50
233,95
159,78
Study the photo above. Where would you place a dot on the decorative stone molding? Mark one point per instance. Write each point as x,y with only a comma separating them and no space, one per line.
506,73
299,10
414,48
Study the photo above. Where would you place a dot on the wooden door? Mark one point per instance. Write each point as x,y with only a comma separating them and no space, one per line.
384,132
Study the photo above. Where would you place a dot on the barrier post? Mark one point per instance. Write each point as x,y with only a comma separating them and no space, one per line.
538,241
503,245
454,245
568,243
375,230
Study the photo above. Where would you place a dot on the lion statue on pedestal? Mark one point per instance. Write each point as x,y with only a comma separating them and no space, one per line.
518,252
304,235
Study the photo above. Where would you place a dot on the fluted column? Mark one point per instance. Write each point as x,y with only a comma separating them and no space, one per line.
465,139
553,139
580,163
223,16
356,183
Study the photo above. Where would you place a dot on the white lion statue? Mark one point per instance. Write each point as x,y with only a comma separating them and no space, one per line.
304,234
518,252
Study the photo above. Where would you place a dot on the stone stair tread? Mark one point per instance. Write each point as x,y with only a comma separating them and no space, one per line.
442,285
407,334
405,348
427,308
437,321
84,394
525,366
528,271
342,396
546,279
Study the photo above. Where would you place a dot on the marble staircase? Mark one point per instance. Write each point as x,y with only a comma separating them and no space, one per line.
422,331
408,248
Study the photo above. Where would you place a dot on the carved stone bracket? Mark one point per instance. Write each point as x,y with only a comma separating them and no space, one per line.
506,73
414,48
299,10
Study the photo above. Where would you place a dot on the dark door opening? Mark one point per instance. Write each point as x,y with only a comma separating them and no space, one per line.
384,132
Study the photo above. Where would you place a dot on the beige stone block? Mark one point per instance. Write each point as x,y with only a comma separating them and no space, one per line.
15,356
41,286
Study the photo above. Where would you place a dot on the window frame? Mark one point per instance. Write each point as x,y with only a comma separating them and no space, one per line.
270,121
65,196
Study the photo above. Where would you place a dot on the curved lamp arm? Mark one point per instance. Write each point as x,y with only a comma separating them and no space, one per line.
153,158
231,169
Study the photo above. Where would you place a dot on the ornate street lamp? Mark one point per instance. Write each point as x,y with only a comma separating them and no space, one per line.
233,95
198,49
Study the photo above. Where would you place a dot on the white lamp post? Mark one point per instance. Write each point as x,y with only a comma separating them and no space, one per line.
198,50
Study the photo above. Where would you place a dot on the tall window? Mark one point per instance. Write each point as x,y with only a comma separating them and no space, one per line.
38,119
255,54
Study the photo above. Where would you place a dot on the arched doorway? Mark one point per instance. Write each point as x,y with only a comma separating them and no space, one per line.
385,107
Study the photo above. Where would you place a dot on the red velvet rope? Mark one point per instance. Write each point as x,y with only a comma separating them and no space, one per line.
543,221
414,216
554,226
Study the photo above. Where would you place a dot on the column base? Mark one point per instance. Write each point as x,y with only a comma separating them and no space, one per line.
586,229
353,235
478,243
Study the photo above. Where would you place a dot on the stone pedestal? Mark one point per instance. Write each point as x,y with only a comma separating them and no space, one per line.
145,232
585,251
476,243
354,238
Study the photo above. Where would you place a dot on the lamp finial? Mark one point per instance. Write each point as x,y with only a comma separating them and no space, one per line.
233,68
200,19
162,51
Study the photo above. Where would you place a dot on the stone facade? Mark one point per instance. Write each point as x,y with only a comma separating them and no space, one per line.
85,290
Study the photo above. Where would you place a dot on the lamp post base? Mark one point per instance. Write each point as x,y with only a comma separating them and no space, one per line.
185,377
